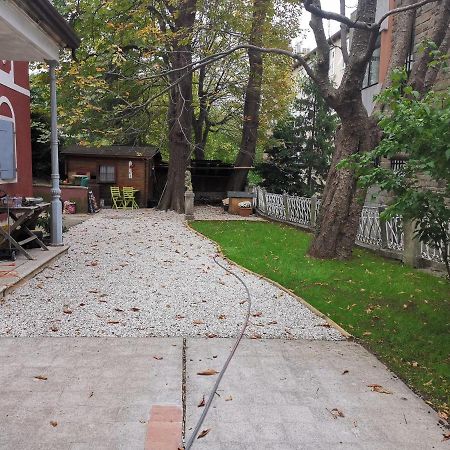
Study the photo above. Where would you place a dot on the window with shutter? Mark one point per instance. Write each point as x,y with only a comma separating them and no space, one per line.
7,151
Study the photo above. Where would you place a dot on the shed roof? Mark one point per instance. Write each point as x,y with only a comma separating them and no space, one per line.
120,151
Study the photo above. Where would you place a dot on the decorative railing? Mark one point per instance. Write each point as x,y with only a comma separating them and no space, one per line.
372,231
431,253
275,206
299,209
395,239
369,229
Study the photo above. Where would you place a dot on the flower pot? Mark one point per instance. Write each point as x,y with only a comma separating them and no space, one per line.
245,212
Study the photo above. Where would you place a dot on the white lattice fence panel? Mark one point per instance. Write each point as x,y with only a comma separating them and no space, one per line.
261,203
299,210
275,206
431,253
394,234
369,231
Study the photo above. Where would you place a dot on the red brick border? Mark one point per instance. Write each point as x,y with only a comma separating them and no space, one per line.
164,431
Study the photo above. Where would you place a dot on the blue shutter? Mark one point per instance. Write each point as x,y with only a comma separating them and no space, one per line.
7,154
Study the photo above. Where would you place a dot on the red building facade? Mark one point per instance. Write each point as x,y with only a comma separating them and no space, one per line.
15,133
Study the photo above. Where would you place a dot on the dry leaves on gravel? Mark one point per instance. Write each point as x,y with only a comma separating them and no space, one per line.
208,372
198,322
378,388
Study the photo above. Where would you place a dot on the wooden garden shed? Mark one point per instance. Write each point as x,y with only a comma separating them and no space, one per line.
113,166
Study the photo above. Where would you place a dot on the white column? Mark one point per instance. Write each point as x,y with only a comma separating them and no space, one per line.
56,207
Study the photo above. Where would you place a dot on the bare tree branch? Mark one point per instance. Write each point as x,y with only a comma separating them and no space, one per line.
315,10
344,34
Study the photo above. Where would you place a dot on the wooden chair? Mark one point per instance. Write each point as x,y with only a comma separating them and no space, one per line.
129,200
116,198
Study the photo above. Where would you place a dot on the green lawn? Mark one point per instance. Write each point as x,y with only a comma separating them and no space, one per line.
400,314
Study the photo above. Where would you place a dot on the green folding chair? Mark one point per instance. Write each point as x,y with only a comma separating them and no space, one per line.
129,201
116,198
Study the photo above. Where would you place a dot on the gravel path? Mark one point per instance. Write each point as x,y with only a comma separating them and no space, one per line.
144,273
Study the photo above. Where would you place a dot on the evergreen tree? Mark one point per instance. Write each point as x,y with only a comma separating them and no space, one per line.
300,159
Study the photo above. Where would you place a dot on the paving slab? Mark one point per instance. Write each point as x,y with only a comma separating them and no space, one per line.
93,393
281,394
14,273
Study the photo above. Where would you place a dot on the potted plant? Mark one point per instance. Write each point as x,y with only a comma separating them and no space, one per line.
245,208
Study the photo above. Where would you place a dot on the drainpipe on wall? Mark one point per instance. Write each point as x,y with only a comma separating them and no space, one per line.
56,207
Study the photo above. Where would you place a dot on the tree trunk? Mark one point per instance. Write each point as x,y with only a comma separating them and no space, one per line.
199,123
252,102
342,200
179,117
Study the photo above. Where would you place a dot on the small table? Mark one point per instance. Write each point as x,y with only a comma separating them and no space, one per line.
23,217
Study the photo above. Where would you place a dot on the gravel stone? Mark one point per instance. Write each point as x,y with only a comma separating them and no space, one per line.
145,273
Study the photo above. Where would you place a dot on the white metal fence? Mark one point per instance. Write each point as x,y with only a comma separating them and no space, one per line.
372,231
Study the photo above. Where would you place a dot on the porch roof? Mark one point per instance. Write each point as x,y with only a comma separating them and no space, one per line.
33,31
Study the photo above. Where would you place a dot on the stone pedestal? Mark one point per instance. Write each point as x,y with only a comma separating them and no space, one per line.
189,205
411,252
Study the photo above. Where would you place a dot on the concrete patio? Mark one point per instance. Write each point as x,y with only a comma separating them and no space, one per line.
85,393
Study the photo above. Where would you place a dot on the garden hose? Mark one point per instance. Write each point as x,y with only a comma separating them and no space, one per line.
194,434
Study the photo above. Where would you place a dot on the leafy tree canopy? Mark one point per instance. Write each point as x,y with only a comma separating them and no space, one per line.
300,156
417,127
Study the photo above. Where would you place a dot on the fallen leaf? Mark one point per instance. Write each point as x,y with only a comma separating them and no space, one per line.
243,301
118,309
211,335
446,437
257,314
159,358
198,322
367,333
134,309
54,328
40,286
208,372
443,415
325,325
344,372
336,413
92,263
113,322
41,377
204,433
53,423
202,402
273,322
255,336
414,363
222,317
229,398
378,388
67,310
178,317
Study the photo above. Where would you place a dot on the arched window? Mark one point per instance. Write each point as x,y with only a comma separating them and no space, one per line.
8,168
